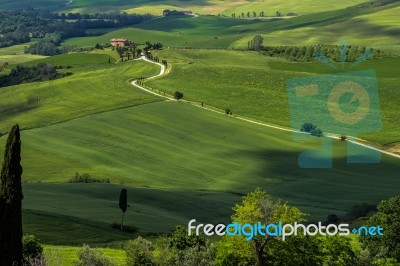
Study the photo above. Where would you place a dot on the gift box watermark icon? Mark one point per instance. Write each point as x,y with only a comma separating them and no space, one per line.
344,103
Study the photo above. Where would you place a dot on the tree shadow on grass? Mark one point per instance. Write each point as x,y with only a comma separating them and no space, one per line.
321,191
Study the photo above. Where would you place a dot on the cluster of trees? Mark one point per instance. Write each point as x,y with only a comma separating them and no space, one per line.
25,74
48,46
254,14
86,178
132,51
310,53
168,12
154,46
256,44
11,38
20,26
312,129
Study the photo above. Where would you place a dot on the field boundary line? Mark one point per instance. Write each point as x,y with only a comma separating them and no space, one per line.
351,139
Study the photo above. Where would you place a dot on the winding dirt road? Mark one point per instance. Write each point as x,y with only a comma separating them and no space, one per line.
163,72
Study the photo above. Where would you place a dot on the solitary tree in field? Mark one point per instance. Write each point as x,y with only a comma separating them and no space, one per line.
123,204
10,201
178,95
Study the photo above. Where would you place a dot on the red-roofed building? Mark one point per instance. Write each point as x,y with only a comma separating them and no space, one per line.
120,42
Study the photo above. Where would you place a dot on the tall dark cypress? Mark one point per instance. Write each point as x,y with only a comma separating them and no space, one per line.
123,204
10,202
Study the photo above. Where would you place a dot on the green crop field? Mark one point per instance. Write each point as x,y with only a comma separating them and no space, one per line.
90,89
255,85
72,214
77,59
177,160
15,54
169,146
202,7
95,122
66,255
378,24
200,32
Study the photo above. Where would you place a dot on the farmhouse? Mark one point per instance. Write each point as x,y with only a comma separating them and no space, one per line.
120,42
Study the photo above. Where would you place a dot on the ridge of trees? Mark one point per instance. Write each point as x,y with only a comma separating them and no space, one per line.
25,74
21,26
310,53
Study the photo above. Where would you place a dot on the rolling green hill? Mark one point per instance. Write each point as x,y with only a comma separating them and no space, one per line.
72,214
90,89
375,22
179,161
200,32
158,148
255,85
15,54
378,25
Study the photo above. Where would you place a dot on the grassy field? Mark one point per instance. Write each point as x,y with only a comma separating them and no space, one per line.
160,151
200,32
179,161
374,23
90,89
202,7
15,54
72,214
97,57
66,255
255,85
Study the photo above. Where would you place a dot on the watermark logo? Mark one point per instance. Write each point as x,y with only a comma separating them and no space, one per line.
249,231
343,103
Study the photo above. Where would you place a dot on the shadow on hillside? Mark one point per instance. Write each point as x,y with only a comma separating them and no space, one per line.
336,188
364,27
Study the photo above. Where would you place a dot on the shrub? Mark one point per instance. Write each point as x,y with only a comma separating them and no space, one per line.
178,95
197,255
139,252
86,178
31,249
91,257
316,132
228,111
308,127
312,129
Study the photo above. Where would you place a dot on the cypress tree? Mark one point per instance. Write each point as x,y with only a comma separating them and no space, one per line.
123,204
10,202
